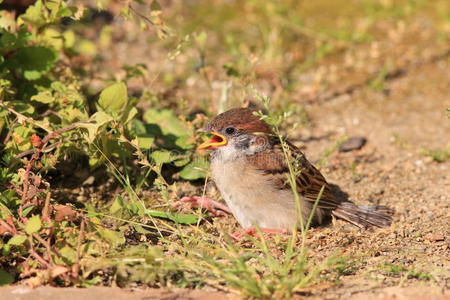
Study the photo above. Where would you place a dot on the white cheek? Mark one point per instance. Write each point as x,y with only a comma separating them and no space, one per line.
228,153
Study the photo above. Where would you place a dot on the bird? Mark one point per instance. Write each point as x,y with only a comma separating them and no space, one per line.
251,171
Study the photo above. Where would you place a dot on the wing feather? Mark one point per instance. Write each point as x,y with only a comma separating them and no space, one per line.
309,180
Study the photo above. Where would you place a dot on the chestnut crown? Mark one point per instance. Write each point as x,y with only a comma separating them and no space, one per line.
241,119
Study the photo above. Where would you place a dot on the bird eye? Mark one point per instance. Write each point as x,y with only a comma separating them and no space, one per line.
230,130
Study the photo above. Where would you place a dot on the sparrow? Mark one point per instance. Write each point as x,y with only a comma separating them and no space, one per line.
249,167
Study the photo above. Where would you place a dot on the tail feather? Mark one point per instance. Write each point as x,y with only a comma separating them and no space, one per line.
364,216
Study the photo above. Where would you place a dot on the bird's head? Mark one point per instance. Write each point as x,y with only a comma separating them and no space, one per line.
237,132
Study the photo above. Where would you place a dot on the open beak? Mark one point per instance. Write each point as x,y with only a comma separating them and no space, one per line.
217,140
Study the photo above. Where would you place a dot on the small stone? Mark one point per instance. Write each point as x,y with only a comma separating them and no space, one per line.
378,191
428,160
353,143
81,198
89,181
64,212
434,237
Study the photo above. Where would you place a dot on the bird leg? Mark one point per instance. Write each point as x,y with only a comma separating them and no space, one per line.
216,208
237,236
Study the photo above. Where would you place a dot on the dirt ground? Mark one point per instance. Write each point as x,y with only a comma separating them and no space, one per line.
399,122
410,259
389,170
100,293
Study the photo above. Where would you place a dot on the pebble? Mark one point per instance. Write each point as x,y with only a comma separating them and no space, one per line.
81,198
353,143
89,181
434,237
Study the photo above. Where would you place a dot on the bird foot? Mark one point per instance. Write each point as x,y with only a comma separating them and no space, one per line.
216,208
237,236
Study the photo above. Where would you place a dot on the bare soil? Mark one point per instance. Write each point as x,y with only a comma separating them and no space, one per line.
100,293
410,259
391,170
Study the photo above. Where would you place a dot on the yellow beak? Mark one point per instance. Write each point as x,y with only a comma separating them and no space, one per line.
218,140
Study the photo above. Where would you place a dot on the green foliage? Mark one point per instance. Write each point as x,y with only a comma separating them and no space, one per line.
164,124
114,98
396,270
195,170
32,62
392,269
187,219
34,225
17,240
50,119
33,82
438,155
5,278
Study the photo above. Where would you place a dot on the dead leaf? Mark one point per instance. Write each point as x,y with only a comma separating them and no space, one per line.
4,230
434,237
64,213
57,270
35,281
36,141
32,192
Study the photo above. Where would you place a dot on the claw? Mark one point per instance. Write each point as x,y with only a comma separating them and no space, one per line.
237,236
216,208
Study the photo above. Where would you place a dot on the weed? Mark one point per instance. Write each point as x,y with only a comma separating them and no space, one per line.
62,92
438,155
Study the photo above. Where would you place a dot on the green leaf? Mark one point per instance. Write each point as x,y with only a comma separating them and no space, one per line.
52,37
155,6
34,225
33,62
144,139
113,237
137,208
27,210
68,254
145,142
188,219
101,118
69,38
5,278
43,97
185,142
141,229
164,123
114,98
86,48
95,281
182,161
162,157
129,114
117,205
17,240
12,42
34,15
231,70
167,121
195,170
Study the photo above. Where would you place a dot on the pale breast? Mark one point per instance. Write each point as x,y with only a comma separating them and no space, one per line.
252,199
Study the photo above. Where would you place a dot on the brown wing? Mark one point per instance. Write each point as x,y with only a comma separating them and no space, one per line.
309,179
